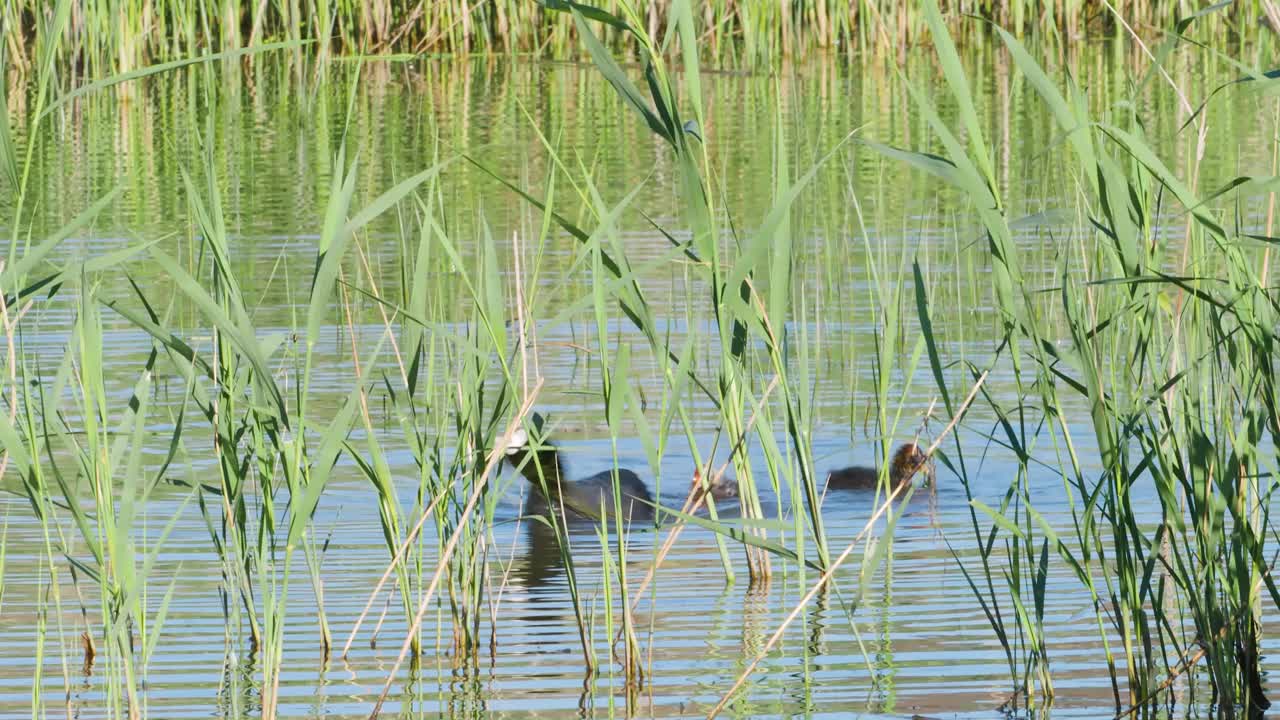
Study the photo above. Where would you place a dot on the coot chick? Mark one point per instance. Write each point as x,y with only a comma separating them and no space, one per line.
539,461
908,460
719,487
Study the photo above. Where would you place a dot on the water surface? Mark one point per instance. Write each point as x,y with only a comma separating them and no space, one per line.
911,640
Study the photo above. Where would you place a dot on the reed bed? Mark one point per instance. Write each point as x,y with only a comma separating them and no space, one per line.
1164,341
104,37
1170,340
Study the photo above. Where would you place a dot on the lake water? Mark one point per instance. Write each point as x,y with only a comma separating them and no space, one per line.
913,641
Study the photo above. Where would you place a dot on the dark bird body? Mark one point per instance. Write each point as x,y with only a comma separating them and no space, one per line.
907,461
591,497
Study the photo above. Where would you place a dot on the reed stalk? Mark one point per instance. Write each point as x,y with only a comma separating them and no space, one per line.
1186,416
109,38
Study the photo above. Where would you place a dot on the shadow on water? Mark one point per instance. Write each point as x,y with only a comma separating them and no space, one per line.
541,564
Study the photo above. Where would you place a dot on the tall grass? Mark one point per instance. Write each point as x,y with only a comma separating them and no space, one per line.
1171,349
86,458
731,290
107,37
1187,415
1171,344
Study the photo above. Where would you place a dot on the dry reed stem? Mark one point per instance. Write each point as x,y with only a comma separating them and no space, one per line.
11,356
404,376
522,340
495,457
382,310
1186,104
1174,674
400,553
830,572
692,503
520,319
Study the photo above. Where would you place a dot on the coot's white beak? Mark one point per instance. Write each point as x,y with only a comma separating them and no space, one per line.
519,441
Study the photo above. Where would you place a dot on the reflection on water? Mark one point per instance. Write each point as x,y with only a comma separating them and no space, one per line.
899,637
541,561
910,640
